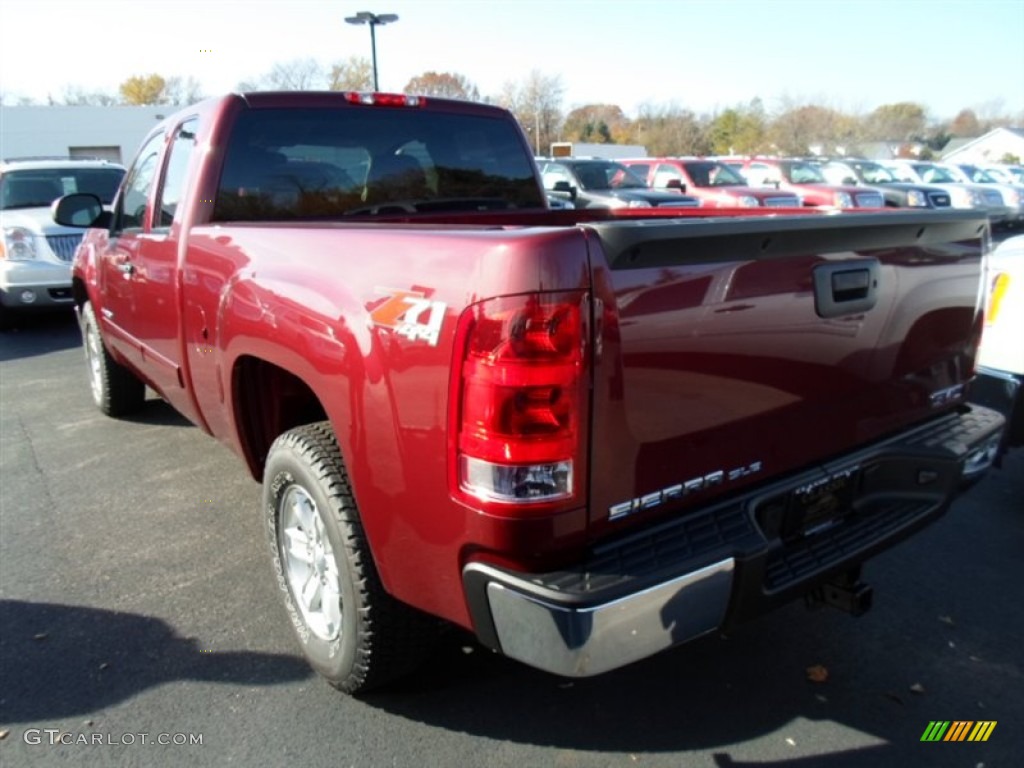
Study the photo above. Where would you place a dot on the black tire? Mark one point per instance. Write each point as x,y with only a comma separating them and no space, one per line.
115,390
351,631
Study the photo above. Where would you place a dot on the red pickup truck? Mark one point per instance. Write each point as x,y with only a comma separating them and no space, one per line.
585,436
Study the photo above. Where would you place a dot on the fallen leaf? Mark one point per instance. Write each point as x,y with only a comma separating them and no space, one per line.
41,636
104,665
917,688
90,723
3,734
821,698
894,696
790,742
947,620
952,644
817,674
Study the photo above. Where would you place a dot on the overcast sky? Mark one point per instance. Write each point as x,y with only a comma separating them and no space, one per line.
700,54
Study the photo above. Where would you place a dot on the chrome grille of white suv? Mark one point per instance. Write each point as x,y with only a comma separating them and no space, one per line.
64,245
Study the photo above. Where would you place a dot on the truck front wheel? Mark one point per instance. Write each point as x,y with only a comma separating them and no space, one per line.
115,390
351,631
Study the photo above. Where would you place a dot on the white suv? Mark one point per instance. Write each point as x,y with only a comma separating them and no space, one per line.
36,253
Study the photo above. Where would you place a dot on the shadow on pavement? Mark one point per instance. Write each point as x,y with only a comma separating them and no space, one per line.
39,334
61,660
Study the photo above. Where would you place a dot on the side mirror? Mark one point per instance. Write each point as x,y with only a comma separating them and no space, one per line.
676,184
565,188
80,210
850,180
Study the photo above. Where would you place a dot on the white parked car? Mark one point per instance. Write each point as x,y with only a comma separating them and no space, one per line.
36,253
1000,381
1013,193
963,195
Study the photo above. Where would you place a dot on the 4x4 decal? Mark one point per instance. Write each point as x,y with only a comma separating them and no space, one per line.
410,313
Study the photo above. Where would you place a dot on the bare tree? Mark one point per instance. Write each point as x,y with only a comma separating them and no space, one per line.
77,96
294,75
537,104
178,90
445,85
353,74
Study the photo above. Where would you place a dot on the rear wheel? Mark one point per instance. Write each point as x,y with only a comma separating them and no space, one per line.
351,631
115,390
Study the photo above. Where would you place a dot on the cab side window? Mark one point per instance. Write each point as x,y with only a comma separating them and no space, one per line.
130,214
174,178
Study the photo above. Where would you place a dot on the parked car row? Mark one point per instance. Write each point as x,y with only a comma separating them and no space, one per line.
752,182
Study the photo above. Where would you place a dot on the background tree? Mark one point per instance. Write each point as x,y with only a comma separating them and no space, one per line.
537,104
812,129
597,123
352,74
739,130
296,75
670,130
903,121
444,85
182,90
144,89
966,124
76,96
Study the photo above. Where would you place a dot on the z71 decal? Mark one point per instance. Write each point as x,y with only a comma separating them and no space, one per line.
410,314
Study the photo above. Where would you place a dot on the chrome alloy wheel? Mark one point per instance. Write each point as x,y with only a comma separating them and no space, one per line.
309,564
94,359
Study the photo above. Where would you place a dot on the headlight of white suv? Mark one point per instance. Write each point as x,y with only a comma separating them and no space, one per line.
747,201
844,200
18,244
639,204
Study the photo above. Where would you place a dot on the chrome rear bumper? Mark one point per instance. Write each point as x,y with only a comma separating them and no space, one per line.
712,567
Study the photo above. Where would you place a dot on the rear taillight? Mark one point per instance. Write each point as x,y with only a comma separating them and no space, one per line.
521,399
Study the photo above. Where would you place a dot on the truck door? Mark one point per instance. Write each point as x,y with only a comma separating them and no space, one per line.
142,263
121,307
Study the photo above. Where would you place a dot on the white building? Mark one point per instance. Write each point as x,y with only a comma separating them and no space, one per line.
110,133
990,148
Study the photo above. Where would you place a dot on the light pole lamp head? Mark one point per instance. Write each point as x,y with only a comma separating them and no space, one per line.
365,17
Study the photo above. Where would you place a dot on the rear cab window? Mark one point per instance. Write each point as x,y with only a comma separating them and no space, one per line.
324,163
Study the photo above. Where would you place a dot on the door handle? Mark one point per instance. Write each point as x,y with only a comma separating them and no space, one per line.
846,287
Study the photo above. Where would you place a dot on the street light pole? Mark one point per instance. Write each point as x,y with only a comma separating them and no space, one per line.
373,19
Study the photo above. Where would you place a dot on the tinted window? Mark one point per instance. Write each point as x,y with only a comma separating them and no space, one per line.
325,163
38,188
177,166
131,209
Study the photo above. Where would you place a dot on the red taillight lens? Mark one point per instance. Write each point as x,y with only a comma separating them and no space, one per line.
522,398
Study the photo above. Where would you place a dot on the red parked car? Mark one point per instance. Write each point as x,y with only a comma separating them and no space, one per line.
716,184
804,179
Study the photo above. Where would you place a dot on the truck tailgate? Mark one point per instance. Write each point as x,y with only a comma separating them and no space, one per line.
728,353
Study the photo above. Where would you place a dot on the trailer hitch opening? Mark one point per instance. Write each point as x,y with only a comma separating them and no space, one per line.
845,592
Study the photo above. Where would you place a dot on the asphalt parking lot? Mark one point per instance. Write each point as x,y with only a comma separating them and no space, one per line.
137,607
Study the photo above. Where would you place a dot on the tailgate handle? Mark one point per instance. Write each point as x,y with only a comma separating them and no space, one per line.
846,287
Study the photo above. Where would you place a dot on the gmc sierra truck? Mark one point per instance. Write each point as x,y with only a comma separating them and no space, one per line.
584,436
